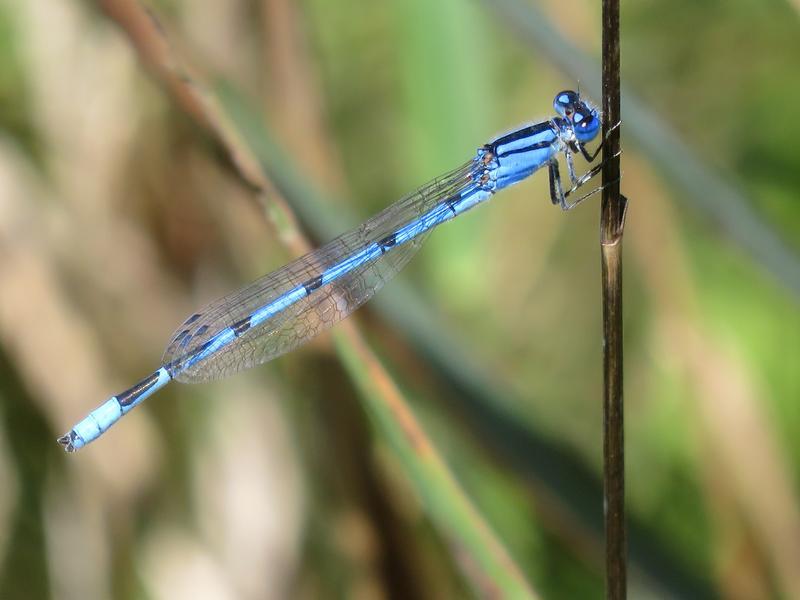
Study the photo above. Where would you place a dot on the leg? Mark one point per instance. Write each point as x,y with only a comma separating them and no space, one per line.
570,166
582,180
557,195
589,174
556,191
573,204
590,156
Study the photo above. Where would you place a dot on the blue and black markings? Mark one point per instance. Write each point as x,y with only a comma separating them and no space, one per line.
451,203
199,351
411,230
332,273
313,284
241,326
522,134
388,242
537,146
130,395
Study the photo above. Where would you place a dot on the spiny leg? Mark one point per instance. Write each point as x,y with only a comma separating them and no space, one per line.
571,205
570,166
590,156
582,180
556,191
557,195
589,174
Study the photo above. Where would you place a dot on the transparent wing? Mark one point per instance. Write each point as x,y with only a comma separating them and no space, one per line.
309,316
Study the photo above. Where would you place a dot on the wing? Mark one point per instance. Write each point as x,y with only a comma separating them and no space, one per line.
306,317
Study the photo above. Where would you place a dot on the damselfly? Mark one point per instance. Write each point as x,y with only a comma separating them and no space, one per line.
290,306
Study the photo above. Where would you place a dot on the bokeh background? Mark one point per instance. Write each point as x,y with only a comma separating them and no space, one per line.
145,171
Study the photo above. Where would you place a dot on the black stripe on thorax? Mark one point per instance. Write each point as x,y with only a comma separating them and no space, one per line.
523,133
531,148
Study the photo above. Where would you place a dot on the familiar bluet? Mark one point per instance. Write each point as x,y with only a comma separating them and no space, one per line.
290,306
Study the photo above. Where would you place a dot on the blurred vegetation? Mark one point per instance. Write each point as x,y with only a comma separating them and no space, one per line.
122,210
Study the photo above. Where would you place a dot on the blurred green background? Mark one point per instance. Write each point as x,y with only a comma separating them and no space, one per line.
121,212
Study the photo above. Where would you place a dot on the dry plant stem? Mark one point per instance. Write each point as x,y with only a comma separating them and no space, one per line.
613,422
150,41
611,225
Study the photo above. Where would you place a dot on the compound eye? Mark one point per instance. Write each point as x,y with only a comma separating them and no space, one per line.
566,102
586,124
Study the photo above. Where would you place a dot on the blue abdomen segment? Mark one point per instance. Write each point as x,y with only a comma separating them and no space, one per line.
93,425
519,153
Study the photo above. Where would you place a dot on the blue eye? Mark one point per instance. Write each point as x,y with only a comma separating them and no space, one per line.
585,124
566,102
585,120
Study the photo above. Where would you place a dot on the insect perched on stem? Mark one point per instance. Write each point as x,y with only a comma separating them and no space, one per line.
290,306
